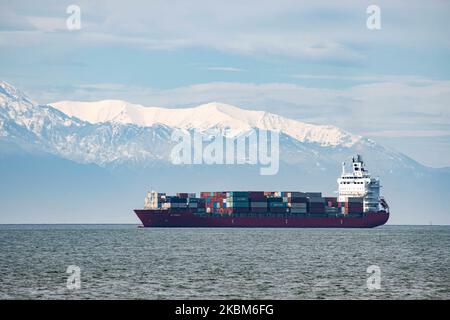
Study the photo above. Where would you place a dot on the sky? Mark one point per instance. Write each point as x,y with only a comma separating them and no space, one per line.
315,61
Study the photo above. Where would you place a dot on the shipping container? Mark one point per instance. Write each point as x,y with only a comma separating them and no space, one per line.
237,194
255,194
204,194
297,205
290,194
258,204
274,199
173,199
277,205
241,204
258,199
317,199
298,210
182,195
355,200
316,207
314,194
298,200
258,209
237,199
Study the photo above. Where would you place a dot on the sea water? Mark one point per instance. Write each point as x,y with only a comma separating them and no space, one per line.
126,262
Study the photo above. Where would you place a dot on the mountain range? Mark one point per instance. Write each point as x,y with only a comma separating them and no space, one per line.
82,162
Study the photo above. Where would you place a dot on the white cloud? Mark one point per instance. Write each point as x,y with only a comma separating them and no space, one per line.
321,30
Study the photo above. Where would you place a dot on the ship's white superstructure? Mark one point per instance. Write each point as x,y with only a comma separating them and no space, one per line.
359,183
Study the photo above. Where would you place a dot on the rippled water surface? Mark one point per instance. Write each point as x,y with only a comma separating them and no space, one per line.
126,262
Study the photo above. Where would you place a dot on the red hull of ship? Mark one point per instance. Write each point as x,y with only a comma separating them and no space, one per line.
177,219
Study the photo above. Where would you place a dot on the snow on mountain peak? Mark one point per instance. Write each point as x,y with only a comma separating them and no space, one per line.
11,95
204,117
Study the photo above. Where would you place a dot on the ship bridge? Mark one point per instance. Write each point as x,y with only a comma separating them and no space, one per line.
359,184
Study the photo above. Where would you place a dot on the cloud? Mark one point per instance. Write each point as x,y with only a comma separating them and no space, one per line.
10,21
249,27
408,134
365,78
319,32
225,69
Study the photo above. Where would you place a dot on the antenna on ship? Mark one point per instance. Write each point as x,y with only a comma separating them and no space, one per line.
343,167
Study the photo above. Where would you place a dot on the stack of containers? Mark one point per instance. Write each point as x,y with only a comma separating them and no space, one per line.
331,202
298,205
354,205
237,201
277,205
185,195
331,205
174,202
197,203
316,205
258,201
218,202
214,201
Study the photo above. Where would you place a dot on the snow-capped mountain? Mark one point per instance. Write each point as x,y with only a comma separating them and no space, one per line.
111,132
205,117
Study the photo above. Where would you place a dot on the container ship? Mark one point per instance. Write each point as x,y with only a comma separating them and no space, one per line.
358,205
